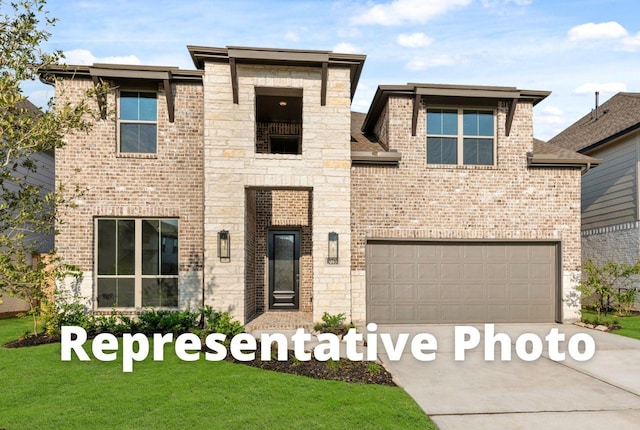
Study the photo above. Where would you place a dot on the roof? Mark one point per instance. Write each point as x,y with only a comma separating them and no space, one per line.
547,155
122,71
278,56
616,117
360,142
447,94
366,149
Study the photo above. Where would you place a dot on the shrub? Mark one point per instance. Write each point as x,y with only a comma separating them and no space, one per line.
373,368
599,282
165,321
221,322
333,324
67,313
625,298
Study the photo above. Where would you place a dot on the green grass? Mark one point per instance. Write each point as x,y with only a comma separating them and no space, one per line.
630,325
40,391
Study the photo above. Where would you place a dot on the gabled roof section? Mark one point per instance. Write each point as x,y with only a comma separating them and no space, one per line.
615,118
276,56
450,95
366,149
549,155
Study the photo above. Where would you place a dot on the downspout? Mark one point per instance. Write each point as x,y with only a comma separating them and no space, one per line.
586,169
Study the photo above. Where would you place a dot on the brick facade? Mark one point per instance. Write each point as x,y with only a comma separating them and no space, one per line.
213,171
509,201
168,184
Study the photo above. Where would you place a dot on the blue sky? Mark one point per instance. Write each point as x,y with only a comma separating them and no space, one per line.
570,47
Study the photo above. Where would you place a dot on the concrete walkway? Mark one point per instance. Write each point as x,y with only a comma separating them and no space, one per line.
601,393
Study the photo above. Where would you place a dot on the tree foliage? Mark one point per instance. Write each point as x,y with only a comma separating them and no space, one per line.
607,281
28,211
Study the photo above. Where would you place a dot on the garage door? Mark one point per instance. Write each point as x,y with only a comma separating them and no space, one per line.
454,282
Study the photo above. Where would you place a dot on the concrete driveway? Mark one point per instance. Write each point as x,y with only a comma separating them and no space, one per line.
601,393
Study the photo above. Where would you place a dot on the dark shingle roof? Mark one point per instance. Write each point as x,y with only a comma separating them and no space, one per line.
360,142
616,117
547,153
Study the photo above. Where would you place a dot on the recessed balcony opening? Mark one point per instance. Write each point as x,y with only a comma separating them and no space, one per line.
278,120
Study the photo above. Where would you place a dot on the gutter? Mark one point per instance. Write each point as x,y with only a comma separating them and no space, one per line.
548,160
391,158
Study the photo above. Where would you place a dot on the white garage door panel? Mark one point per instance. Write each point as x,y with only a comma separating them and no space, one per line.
437,282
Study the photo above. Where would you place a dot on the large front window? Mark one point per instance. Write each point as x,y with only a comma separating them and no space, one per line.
138,121
460,136
137,263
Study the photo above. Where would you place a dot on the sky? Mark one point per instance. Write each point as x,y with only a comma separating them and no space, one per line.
570,47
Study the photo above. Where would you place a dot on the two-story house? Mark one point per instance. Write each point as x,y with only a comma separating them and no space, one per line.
249,185
610,205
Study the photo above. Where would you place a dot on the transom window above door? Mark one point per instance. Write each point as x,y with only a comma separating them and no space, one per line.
461,136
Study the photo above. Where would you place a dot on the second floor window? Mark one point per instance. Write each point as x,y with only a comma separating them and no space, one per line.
460,137
138,122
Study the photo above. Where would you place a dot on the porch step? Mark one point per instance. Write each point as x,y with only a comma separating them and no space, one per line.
281,321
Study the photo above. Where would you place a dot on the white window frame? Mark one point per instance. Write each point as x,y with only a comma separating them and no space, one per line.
137,276
120,121
461,136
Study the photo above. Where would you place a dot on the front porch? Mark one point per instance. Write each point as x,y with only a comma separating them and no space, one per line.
278,257
285,320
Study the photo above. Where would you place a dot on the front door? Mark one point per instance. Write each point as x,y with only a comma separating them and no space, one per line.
284,269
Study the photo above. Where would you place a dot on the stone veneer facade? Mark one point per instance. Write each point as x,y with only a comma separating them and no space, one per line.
239,182
168,184
510,201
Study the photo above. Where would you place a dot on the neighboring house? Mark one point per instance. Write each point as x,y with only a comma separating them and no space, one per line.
610,213
44,177
252,187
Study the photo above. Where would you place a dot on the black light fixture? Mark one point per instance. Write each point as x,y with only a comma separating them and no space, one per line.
333,248
224,246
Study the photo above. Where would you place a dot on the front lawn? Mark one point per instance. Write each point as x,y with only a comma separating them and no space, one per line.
630,326
40,391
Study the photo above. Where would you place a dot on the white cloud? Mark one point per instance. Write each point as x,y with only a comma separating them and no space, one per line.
604,88
593,31
631,43
415,40
552,110
497,3
423,63
82,57
400,12
292,36
346,48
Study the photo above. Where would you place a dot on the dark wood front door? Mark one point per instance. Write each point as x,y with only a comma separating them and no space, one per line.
284,269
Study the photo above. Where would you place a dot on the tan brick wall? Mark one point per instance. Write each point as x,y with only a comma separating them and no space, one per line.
509,201
12,306
167,185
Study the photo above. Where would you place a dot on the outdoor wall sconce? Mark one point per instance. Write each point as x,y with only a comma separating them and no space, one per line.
224,247
333,248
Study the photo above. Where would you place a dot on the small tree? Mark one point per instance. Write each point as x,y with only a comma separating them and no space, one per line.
603,282
27,210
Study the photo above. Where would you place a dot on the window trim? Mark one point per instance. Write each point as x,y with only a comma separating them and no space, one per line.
461,136
137,275
120,121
